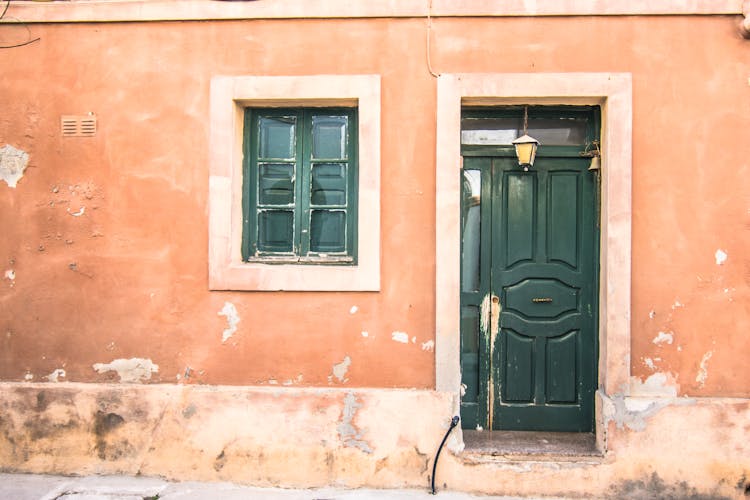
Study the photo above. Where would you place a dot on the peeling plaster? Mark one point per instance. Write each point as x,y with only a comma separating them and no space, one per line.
340,369
703,370
13,162
10,274
650,363
349,434
129,370
80,212
721,257
664,337
55,375
428,346
402,337
353,310
634,413
28,377
365,334
232,319
652,314
658,384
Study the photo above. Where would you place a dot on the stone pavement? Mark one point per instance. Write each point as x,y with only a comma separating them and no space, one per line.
42,487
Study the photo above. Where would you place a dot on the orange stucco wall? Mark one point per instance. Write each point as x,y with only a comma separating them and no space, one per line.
127,278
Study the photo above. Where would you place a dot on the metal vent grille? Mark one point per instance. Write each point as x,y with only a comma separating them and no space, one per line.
78,126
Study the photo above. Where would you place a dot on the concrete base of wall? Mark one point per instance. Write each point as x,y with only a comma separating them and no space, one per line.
380,438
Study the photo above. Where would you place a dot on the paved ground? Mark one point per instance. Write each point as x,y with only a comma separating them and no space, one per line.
39,487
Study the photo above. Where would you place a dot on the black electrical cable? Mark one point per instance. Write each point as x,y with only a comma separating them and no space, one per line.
27,42
454,422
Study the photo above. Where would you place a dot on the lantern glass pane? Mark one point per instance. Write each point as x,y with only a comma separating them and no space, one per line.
524,152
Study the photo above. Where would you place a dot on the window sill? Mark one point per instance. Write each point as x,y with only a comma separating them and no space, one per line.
525,446
332,260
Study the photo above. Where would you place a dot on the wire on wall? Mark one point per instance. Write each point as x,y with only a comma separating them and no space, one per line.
28,32
429,36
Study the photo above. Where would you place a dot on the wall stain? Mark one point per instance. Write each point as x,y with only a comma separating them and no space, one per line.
41,427
189,411
41,401
105,423
220,461
653,487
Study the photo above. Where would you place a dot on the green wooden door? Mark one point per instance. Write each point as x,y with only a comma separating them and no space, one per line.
529,293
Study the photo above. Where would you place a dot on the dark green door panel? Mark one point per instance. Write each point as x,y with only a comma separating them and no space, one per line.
475,286
534,366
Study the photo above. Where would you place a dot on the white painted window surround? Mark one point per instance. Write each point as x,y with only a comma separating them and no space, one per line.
230,95
166,10
613,92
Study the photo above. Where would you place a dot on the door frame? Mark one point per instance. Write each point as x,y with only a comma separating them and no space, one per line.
611,91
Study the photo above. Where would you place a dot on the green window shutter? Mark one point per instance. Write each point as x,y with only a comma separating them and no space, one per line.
300,185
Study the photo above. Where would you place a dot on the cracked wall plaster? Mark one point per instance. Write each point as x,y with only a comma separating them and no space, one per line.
13,162
131,370
230,312
349,434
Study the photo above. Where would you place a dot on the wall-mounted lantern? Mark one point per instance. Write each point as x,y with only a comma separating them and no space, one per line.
526,145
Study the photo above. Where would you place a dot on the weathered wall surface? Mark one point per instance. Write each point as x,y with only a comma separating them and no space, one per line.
379,438
104,248
103,261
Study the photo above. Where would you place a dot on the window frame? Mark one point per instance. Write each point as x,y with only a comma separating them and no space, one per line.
230,95
302,206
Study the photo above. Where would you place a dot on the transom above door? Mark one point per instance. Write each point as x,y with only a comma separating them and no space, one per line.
529,271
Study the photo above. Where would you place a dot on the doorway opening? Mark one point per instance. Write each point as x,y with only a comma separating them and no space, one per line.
529,279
